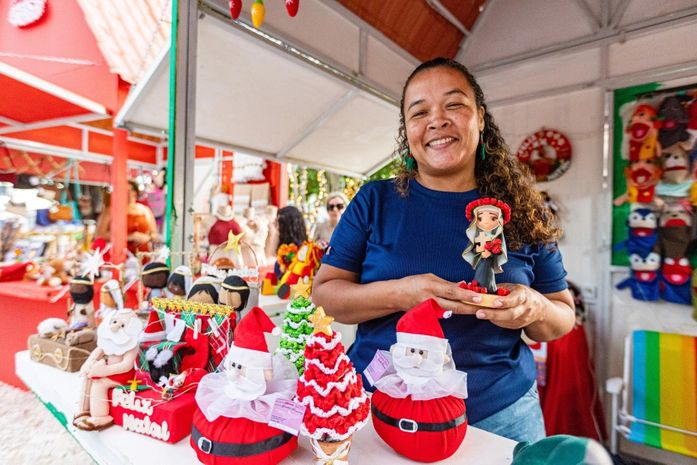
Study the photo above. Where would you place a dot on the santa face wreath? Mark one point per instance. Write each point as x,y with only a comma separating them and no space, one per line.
487,250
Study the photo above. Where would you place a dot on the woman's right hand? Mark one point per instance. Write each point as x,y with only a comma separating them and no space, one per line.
418,288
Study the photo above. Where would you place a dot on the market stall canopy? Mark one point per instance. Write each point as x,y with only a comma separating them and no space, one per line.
256,99
26,100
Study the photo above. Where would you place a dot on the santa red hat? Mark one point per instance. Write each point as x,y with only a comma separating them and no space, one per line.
419,327
154,328
249,345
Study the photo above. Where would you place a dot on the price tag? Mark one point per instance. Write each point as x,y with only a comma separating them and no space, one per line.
378,366
287,415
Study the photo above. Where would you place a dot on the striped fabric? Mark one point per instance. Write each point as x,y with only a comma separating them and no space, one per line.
665,390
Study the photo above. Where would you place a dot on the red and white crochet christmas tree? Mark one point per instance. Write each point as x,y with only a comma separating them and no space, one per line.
337,405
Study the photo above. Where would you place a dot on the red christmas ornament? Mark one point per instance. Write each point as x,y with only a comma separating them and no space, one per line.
292,7
235,8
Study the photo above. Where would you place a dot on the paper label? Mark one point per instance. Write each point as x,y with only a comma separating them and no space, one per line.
287,415
378,366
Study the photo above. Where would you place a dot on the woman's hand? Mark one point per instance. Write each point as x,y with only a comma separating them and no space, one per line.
418,288
522,307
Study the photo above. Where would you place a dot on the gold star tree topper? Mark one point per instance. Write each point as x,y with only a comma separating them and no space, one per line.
301,289
233,242
322,322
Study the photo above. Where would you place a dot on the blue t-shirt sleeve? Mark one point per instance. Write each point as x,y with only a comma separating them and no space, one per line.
550,275
348,243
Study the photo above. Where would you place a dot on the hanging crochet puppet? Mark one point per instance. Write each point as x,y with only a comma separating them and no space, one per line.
487,250
643,281
643,134
643,231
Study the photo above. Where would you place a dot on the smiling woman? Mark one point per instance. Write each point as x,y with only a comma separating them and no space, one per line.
400,242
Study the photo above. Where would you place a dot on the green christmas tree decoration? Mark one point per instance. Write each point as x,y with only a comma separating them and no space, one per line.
296,330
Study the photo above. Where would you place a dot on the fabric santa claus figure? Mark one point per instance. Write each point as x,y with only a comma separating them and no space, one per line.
418,407
234,405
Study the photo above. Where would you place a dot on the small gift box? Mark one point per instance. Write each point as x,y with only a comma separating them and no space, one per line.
58,354
145,411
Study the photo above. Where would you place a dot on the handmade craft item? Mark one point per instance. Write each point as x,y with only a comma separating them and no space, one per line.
675,285
675,228
205,290
155,276
643,281
418,406
674,119
81,318
234,292
302,267
643,134
234,404
675,179
642,177
179,283
111,364
547,153
297,328
487,249
337,405
643,231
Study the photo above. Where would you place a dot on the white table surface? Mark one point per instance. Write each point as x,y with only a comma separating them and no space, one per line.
116,446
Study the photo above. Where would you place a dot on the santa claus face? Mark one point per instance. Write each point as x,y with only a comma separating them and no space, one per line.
118,332
245,382
414,364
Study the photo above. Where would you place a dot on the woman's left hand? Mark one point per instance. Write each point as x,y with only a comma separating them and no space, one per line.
522,307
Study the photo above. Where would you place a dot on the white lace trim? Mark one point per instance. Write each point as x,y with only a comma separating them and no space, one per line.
341,385
297,325
320,432
325,345
353,405
298,340
295,311
329,371
293,356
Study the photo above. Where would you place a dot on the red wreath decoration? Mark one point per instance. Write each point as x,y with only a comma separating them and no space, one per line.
505,209
547,153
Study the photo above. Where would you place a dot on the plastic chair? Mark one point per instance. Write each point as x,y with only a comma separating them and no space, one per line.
660,374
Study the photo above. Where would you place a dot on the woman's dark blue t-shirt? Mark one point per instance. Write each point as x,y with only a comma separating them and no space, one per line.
384,236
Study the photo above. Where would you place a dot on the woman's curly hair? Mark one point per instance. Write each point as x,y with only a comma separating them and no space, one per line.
499,175
291,226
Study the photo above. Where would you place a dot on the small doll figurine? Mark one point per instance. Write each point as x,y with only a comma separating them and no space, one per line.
179,283
487,250
81,313
155,276
234,292
204,290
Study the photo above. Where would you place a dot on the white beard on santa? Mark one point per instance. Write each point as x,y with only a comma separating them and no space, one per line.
234,404
418,406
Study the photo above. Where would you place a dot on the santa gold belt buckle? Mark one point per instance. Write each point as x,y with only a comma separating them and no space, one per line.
205,445
407,425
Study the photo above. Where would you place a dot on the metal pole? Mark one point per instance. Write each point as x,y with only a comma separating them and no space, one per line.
180,162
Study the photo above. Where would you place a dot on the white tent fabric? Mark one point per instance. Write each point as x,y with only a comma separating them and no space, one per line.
261,101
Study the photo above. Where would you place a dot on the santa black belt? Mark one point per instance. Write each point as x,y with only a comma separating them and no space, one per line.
410,426
235,449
